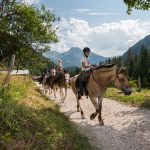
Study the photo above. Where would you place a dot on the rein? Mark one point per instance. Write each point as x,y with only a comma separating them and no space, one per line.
104,87
112,83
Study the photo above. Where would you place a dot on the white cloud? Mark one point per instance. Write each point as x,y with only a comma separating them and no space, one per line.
30,2
82,10
100,14
108,39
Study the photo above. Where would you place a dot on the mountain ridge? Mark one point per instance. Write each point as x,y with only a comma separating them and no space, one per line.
136,48
73,57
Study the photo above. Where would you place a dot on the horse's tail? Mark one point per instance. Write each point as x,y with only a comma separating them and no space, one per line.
73,84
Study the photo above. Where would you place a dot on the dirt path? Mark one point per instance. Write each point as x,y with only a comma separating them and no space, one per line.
126,128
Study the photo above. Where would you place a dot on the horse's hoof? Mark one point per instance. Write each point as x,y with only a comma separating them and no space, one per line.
82,117
101,123
92,117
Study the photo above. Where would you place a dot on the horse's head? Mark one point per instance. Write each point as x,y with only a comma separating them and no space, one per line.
122,82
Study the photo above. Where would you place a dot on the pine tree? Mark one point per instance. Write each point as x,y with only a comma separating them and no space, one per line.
144,65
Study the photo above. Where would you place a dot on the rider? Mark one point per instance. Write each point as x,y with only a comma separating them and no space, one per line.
59,66
82,79
85,60
45,73
53,71
59,69
67,76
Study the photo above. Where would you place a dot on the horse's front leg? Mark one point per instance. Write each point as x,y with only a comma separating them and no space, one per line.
65,93
94,101
49,88
54,89
100,109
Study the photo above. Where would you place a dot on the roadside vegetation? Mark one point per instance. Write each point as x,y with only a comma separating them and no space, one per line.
30,121
141,99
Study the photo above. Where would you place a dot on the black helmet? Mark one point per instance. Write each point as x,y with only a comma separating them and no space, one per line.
86,49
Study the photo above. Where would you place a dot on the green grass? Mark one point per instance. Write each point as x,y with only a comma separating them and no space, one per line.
141,99
30,121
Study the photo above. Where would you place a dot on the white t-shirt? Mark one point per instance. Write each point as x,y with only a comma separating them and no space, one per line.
67,76
60,64
86,62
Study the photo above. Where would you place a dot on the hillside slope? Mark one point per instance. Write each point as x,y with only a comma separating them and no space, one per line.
135,49
31,121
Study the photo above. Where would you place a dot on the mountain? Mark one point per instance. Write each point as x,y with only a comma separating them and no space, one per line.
72,58
135,49
52,55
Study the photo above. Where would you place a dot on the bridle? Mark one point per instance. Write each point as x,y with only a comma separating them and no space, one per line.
112,83
117,77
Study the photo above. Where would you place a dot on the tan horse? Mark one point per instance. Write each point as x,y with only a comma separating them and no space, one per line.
97,84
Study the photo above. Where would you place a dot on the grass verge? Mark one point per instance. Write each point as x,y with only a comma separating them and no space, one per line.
140,99
30,121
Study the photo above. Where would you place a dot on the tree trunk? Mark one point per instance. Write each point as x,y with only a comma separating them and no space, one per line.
8,76
139,83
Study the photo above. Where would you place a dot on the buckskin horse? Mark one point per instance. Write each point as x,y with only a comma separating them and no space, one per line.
99,79
61,82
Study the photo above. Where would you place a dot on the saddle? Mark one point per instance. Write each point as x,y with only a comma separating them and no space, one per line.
81,82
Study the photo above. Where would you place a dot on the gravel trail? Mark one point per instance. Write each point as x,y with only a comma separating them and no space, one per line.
126,128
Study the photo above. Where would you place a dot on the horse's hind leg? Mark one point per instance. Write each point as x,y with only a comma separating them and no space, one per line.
51,91
79,107
100,109
94,101
61,93
78,104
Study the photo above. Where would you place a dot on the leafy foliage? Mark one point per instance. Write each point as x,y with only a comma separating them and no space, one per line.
137,4
24,30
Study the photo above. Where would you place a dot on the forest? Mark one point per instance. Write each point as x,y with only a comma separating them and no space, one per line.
138,66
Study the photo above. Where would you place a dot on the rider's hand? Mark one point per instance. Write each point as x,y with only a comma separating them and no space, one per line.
92,67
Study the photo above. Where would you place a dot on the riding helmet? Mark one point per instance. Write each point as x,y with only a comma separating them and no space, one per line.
86,49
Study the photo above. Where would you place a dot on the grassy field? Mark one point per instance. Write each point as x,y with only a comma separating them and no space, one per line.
30,121
141,99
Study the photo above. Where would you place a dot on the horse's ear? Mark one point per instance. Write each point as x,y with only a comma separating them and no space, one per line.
123,70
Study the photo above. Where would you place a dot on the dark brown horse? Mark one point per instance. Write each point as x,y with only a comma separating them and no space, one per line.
98,82
60,82
50,83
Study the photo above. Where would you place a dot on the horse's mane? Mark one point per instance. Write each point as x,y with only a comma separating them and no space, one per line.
106,67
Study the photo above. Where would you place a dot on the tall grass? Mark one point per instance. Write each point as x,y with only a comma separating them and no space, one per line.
141,99
30,121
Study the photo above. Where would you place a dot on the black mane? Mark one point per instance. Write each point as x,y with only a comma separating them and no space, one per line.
105,66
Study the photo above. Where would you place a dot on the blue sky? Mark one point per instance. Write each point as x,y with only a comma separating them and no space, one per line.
102,25
94,11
